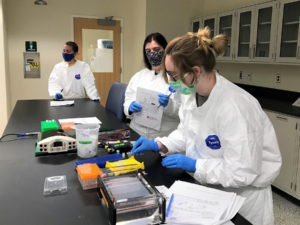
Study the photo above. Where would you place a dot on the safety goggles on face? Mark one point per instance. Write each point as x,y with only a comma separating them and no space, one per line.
176,75
172,76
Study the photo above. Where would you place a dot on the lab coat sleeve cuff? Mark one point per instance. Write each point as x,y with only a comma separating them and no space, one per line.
168,143
200,170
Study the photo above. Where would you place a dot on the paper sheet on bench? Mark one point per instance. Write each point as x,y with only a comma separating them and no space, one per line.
196,204
61,103
82,120
151,114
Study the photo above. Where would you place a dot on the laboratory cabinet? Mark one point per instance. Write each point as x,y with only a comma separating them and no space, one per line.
263,33
225,25
209,21
288,43
256,33
288,136
222,23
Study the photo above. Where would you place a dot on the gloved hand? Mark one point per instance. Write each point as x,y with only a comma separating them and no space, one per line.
180,161
96,100
58,96
163,99
144,144
135,107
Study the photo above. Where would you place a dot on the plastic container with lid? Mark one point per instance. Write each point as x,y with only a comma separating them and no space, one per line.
87,175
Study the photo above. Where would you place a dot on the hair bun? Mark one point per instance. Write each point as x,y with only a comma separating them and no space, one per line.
219,43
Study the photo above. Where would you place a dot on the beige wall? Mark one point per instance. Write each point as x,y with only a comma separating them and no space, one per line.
172,18
3,76
262,74
51,26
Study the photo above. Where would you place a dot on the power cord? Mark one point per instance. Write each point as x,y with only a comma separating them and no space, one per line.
19,136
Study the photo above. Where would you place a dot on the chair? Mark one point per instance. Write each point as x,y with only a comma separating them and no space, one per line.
115,100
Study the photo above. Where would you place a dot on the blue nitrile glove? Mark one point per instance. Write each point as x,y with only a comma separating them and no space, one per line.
134,107
58,96
163,99
180,161
144,144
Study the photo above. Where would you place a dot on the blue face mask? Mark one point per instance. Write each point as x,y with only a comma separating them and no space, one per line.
67,57
179,86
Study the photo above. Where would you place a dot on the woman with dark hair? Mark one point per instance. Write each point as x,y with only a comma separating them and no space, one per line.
72,78
151,78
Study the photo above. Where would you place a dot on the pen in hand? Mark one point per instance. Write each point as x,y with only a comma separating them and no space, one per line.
172,91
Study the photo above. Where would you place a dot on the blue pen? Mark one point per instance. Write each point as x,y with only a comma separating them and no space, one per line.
169,206
172,91
27,134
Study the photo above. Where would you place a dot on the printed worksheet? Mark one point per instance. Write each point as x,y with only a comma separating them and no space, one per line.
151,113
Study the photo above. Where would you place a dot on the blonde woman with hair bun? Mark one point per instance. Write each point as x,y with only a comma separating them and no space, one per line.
224,137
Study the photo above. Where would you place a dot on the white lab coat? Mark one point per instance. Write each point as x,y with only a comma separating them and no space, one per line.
147,79
74,81
248,159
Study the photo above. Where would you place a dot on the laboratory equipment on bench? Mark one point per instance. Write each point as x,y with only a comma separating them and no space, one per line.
54,141
100,160
114,135
131,199
118,146
87,175
124,166
49,125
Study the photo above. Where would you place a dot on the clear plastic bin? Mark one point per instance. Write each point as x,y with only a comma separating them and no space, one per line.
87,139
55,185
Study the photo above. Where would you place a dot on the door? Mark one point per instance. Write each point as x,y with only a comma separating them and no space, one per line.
99,46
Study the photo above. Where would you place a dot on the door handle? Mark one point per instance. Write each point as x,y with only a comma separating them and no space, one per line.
253,53
282,118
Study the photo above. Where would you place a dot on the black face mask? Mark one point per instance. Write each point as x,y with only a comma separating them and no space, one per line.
155,57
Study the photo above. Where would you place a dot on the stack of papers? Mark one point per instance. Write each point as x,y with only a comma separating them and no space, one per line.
196,204
61,103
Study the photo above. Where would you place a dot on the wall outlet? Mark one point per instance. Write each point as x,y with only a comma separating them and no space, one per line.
277,78
249,76
241,75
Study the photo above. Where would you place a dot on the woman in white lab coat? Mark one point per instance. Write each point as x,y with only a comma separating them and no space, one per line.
224,137
151,78
72,78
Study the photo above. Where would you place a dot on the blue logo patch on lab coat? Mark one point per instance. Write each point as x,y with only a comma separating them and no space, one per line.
77,76
213,142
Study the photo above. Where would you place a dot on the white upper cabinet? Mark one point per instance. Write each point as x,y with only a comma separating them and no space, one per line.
196,24
256,32
210,22
263,33
288,47
265,27
225,24
245,21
